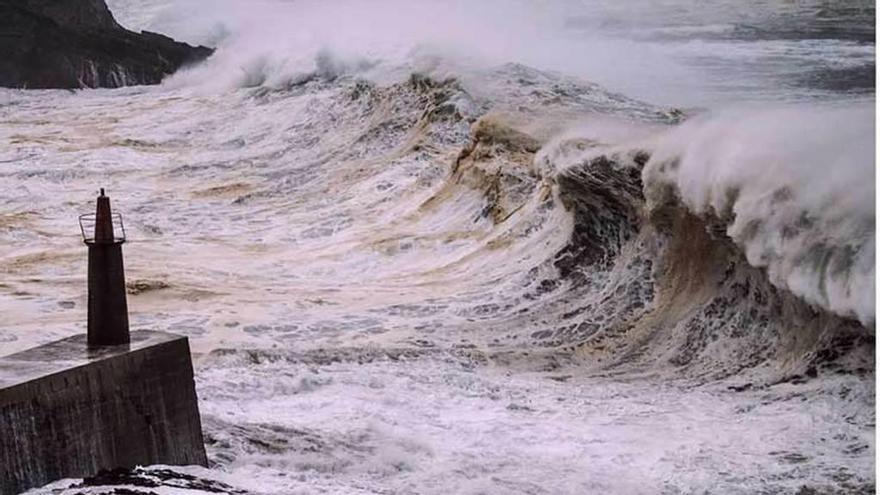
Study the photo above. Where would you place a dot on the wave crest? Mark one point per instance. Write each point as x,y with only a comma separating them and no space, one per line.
793,187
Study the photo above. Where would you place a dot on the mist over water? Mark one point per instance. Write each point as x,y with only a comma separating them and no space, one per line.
669,52
482,247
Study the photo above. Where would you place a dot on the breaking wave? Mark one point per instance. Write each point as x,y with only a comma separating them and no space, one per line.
795,188
613,233
721,241
324,221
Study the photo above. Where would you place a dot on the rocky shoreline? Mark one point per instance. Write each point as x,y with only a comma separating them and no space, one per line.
71,44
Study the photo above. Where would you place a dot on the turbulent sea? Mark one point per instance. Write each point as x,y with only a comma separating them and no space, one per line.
496,247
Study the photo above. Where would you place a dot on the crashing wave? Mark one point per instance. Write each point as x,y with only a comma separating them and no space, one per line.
794,188
646,277
452,227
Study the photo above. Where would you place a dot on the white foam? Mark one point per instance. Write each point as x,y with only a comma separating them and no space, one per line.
796,185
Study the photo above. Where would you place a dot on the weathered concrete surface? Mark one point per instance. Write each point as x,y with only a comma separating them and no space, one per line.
69,411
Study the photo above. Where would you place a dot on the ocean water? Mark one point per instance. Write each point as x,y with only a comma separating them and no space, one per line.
481,247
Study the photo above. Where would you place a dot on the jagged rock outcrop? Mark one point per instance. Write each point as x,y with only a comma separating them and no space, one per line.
77,43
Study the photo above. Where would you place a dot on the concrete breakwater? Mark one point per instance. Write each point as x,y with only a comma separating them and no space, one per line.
68,410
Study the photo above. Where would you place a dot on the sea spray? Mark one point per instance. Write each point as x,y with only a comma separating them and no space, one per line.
718,51
794,185
389,290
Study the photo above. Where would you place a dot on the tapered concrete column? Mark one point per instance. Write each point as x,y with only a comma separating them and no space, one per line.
108,308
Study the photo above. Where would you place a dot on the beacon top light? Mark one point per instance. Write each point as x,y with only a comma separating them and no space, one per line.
103,226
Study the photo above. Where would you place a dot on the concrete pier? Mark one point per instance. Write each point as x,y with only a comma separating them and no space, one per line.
69,411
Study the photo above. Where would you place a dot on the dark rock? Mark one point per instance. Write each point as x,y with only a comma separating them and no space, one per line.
77,43
78,14
154,477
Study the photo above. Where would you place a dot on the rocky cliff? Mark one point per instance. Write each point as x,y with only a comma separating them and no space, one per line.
78,43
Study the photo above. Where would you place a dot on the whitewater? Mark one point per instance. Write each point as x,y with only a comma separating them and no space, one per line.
494,247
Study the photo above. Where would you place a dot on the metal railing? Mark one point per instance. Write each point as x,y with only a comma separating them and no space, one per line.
87,228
